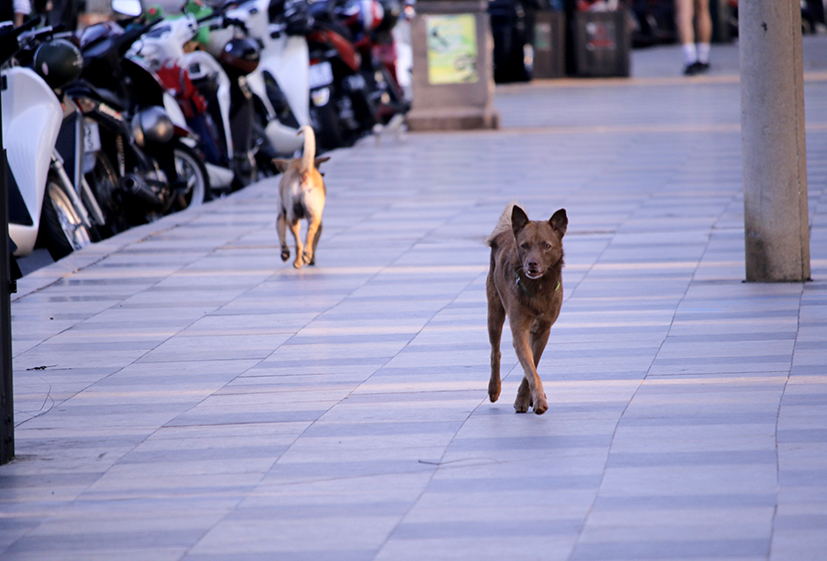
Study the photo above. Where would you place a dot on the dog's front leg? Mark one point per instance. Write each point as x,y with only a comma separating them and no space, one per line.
531,388
295,229
496,319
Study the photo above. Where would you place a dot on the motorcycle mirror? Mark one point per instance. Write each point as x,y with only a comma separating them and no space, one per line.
132,8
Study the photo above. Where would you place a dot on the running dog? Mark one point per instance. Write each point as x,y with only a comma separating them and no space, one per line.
302,193
525,283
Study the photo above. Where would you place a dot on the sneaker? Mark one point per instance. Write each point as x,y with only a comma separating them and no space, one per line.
693,69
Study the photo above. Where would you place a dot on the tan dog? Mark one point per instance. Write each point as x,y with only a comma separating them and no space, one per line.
525,283
302,192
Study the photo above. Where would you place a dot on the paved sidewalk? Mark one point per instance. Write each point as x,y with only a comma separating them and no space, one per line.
183,395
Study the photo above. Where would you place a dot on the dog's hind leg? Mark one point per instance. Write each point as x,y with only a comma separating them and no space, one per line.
295,229
523,401
313,231
539,339
281,229
316,243
496,319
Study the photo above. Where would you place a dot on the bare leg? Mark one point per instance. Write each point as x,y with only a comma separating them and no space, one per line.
703,21
684,20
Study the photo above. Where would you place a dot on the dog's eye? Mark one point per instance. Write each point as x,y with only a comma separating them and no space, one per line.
524,245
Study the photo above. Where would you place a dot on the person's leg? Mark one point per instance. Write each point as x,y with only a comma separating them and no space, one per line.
686,30
703,22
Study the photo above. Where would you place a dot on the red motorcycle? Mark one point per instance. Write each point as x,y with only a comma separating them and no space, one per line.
353,83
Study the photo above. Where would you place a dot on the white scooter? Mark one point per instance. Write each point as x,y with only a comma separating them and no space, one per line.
164,45
43,203
281,80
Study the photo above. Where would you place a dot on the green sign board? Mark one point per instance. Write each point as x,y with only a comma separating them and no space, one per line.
452,49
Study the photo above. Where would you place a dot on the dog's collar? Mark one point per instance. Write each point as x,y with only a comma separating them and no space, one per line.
527,292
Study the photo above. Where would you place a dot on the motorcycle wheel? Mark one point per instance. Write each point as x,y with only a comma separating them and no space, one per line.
327,126
61,230
192,171
105,184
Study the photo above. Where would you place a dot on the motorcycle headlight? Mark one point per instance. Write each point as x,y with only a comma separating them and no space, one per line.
320,97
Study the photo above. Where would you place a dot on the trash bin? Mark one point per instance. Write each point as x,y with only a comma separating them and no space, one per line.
549,44
602,44
453,78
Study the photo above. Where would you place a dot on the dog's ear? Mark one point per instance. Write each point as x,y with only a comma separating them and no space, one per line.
318,161
281,165
518,219
559,221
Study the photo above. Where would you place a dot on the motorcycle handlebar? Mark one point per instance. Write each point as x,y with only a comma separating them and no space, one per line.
28,36
124,42
28,26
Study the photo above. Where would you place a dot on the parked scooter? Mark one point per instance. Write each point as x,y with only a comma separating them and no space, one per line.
280,82
44,207
352,73
143,138
201,88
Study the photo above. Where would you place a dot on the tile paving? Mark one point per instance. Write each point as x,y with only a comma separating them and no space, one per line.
183,395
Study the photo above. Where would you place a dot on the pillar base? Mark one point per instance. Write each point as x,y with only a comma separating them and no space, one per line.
452,118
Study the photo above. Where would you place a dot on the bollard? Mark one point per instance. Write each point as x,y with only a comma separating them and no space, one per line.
6,387
453,78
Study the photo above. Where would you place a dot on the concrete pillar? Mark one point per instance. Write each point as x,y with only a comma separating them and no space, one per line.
772,137
453,76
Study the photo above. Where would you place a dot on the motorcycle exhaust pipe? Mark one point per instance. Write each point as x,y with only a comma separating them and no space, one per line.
135,185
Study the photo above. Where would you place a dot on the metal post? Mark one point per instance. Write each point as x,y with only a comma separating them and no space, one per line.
6,388
772,137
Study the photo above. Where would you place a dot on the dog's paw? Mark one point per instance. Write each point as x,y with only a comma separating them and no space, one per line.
540,405
285,254
522,404
494,387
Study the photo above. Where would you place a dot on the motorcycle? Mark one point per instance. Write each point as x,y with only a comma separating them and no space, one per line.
145,163
44,207
352,72
279,83
201,88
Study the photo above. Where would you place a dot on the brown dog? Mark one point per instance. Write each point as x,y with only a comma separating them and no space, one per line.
302,193
525,283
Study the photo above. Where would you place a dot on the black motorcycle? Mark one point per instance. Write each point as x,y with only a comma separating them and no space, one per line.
140,165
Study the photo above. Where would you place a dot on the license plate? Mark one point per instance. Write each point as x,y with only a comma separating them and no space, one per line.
319,75
356,82
91,136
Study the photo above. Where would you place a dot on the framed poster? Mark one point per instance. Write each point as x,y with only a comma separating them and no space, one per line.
452,49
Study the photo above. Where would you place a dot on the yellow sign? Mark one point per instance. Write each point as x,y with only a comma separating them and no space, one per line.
452,49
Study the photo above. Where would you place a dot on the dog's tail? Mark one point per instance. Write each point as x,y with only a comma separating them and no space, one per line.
504,223
309,154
